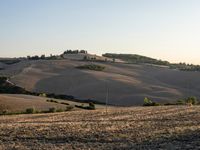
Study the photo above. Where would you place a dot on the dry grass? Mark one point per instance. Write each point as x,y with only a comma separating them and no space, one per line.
172,127
16,103
131,82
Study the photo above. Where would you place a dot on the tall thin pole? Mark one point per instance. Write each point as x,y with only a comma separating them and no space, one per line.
107,96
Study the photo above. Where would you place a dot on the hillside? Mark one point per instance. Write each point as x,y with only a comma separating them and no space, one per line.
139,59
13,103
123,128
128,83
134,58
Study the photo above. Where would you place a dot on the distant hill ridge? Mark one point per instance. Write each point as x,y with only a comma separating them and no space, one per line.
83,55
134,58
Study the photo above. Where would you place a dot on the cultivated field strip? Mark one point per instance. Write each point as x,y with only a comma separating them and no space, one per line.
170,127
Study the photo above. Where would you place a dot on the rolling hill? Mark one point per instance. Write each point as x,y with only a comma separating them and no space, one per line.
128,83
14,103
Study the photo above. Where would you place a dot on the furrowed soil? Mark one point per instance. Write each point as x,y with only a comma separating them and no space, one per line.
169,127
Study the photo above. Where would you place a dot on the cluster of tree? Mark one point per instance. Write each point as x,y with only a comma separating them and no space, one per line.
185,67
90,107
133,58
36,57
42,57
92,67
192,100
75,51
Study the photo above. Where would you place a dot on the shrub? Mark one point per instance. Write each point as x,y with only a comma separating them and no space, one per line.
52,101
30,110
92,67
180,102
155,104
148,102
168,104
59,110
68,108
52,110
3,112
64,103
192,100
42,95
91,105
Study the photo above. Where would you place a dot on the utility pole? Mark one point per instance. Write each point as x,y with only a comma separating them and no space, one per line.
107,96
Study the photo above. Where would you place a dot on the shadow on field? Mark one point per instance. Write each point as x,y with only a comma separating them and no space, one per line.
184,141
188,140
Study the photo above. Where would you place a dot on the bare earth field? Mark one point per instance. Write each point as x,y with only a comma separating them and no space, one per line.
173,127
15,103
128,83
19,103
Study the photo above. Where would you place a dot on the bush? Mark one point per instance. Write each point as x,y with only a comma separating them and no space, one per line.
92,105
168,104
92,67
148,102
52,101
59,110
68,108
64,103
180,102
192,100
52,110
155,104
42,95
30,110
3,112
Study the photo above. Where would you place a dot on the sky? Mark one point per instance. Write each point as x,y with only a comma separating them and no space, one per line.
163,29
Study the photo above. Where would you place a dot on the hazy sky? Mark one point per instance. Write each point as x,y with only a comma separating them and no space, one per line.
165,29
